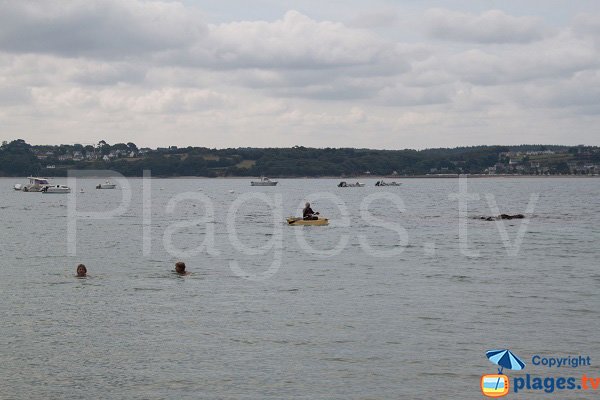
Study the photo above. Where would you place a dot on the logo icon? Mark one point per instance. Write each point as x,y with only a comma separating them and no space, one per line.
494,385
498,385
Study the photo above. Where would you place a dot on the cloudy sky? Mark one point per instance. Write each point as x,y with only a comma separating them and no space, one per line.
378,74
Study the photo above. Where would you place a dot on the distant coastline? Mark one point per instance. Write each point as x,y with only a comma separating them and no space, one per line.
18,158
338,178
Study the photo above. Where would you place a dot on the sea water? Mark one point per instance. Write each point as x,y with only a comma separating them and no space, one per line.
399,297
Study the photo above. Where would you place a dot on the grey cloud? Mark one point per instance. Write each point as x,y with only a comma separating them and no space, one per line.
97,28
560,57
300,57
587,23
375,19
401,95
293,42
14,95
103,74
582,91
339,89
492,26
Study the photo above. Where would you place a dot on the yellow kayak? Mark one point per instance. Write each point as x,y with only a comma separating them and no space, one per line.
310,222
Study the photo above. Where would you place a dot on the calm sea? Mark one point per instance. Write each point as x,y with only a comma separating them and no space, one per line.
397,298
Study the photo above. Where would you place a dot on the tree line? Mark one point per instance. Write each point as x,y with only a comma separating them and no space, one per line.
18,158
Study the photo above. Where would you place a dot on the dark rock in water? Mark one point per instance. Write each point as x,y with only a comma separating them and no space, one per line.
515,216
502,216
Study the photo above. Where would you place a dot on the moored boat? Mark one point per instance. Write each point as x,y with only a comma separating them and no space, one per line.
106,185
382,183
346,184
263,181
56,189
35,184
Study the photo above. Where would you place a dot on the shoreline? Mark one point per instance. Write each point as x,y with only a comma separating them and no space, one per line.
378,177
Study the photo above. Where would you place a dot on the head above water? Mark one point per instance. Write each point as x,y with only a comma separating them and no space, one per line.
307,204
180,267
81,270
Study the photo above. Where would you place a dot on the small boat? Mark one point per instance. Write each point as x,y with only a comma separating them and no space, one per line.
82,191
56,189
297,221
263,181
18,186
106,185
382,183
346,184
35,184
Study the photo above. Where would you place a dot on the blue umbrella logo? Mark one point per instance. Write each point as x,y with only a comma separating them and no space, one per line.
504,359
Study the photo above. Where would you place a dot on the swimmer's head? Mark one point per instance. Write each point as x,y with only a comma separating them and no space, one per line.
81,270
180,267
307,204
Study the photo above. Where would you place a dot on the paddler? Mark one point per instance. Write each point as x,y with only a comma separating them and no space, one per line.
308,213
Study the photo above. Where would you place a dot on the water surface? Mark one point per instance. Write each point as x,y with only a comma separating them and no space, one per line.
414,325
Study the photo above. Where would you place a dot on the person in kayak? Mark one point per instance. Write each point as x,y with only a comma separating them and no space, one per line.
308,213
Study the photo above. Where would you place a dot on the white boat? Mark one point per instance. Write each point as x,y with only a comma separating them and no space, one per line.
382,183
263,182
346,184
18,186
106,185
35,184
56,189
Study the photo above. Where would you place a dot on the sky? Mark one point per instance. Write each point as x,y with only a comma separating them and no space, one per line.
379,74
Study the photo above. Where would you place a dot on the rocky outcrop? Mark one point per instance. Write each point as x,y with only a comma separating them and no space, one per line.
503,216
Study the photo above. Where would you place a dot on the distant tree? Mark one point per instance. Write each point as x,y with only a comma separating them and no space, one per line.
18,146
119,146
104,147
132,147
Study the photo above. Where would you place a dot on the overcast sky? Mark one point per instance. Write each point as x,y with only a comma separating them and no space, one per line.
231,73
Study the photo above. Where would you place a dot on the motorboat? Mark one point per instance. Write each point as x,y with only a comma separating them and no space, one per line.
263,181
382,183
106,185
346,184
298,221
35,184
56,189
